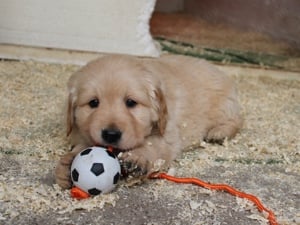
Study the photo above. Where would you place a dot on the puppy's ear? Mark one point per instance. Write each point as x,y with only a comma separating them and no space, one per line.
70,117
162,110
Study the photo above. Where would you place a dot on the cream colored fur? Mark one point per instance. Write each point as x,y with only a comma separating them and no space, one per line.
180,101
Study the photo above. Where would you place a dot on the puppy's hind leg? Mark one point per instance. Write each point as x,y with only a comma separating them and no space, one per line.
227,121
227,129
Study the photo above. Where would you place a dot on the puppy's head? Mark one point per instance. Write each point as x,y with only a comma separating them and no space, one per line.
115,101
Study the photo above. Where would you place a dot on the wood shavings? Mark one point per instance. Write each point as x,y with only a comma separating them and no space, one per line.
158,165
262,220
39,198
195,205
265,153
211,205
245,204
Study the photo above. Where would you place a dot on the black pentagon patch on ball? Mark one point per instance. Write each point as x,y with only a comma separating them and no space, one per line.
116,178
94,191
86,151
75,175
97,169
111,154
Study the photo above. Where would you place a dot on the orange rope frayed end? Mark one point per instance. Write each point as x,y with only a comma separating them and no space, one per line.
110,149
220,187
78,193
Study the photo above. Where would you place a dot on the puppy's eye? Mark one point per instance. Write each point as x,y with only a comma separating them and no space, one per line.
130,103
94,103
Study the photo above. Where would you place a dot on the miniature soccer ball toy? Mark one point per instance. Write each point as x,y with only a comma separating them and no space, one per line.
95,170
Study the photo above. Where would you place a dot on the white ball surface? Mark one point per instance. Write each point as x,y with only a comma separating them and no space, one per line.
95,170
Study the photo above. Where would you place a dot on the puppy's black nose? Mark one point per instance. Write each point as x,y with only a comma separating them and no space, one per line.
111,136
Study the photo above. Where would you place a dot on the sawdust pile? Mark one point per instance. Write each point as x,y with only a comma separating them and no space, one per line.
264,159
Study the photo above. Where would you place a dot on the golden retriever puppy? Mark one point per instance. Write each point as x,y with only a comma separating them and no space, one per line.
148,109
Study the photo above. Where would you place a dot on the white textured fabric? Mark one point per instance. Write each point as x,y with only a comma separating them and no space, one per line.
108,26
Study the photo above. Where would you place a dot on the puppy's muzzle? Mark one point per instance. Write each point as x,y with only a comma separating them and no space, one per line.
111,135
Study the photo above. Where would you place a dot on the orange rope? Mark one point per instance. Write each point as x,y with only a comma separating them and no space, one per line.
77,193
222,187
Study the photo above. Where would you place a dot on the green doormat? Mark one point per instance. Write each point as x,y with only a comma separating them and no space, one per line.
231,56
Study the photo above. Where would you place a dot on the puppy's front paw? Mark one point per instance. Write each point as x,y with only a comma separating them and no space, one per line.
133,165
62,171
129,169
